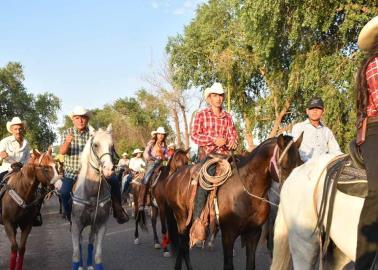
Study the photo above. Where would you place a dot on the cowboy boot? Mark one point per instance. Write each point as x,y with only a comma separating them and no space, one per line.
118,213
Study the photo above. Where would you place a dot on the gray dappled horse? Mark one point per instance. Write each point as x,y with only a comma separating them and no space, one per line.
91,198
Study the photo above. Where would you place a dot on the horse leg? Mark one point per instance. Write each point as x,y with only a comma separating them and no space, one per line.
11,233
185,249
214,232
228,239
98,252
90,250
251,240
25,230
165,238
153,222
304,248
77,258
136,232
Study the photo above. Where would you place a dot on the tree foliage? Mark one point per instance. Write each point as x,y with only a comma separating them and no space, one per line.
39,112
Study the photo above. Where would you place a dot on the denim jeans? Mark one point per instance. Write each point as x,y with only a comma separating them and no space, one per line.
67,185
151,166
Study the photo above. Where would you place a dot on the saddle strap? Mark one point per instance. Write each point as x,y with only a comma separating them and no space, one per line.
18,200
101,202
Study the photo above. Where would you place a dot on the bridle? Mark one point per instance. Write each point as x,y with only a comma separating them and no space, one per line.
276,161
98,163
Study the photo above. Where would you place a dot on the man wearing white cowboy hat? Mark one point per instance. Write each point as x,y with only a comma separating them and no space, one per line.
136,166
73,142
214,131
14,148
123,161
367,115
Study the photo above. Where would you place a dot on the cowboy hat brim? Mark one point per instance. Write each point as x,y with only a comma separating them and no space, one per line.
10,124
368,37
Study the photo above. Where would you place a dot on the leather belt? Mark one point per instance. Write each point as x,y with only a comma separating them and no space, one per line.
372,120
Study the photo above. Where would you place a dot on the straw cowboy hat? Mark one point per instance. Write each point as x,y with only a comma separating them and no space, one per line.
15,121
368,38
216,88
125,154
136,151
172,145
78,110
160,130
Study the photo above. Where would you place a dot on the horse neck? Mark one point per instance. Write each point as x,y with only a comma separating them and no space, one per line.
25,182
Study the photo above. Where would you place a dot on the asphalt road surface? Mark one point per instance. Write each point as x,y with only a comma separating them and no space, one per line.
50,247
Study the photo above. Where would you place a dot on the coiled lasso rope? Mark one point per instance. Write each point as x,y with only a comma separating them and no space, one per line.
209,182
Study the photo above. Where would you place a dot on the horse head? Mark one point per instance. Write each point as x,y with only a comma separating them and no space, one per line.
178,159
99,151
45,170
288,155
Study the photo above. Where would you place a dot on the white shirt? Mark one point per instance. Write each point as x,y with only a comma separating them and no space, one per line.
15,151
123,163
137,164
316,140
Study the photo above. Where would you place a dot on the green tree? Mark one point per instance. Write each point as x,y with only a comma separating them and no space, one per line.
39,112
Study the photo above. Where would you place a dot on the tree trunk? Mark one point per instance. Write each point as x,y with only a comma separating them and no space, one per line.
177,126
186,129
278,120
248,133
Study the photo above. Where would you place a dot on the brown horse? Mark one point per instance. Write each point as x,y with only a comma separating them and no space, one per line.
19,203
156,192
179,159
242,203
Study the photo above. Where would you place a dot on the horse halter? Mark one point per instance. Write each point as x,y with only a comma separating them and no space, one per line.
276,160
98,159
45,169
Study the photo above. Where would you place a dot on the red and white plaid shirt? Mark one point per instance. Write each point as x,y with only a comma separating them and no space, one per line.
207,127
372,81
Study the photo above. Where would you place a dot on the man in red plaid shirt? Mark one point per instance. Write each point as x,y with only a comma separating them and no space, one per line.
214,130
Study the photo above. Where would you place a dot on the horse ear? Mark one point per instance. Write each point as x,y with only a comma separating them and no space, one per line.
92,131
187,150
298,142
281,141
49,150
36,153
109,128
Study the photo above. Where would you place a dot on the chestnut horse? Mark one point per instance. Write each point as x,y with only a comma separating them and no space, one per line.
20,201
242,203
156,198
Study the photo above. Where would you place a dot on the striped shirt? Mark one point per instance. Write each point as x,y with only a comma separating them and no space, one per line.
372,82
72,157
207,127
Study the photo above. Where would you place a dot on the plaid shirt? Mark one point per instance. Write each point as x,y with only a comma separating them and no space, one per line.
372,81
207,127
72,157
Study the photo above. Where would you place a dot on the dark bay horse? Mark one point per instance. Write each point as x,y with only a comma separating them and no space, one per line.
156,197
20,202
178,160
243,208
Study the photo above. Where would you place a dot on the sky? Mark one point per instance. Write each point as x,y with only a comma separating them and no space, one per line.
89,52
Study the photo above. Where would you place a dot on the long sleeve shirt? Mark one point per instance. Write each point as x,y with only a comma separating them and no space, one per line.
316,140
15,151
207,127
372,82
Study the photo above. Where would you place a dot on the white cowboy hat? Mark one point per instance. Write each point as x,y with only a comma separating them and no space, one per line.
78,110
15,121
136,151
124,154
216,88
368,37
160,130
172,145
153,133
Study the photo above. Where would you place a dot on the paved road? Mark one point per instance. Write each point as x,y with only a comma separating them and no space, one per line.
49,247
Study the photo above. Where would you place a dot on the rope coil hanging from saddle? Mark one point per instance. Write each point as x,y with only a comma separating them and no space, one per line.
209,182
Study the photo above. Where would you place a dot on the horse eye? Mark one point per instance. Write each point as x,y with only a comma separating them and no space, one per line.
95,145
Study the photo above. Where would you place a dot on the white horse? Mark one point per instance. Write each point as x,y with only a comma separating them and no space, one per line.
294,234
91,197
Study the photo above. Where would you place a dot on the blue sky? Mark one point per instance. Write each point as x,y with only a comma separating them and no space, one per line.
89,52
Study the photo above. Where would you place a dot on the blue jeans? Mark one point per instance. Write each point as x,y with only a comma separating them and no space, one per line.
127,183
151,166
67,185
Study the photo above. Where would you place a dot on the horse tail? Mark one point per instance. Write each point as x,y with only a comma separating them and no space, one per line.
172,229
281,251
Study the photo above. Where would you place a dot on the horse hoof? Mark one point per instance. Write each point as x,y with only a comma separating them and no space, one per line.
166,254
136,241
157,246
81,268
90,268
211,247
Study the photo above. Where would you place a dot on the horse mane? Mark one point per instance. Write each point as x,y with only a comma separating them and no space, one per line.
179,150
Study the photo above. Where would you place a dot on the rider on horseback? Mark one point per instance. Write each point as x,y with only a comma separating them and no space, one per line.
367,107
155,153
136,165
317,138
214,130
73,142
